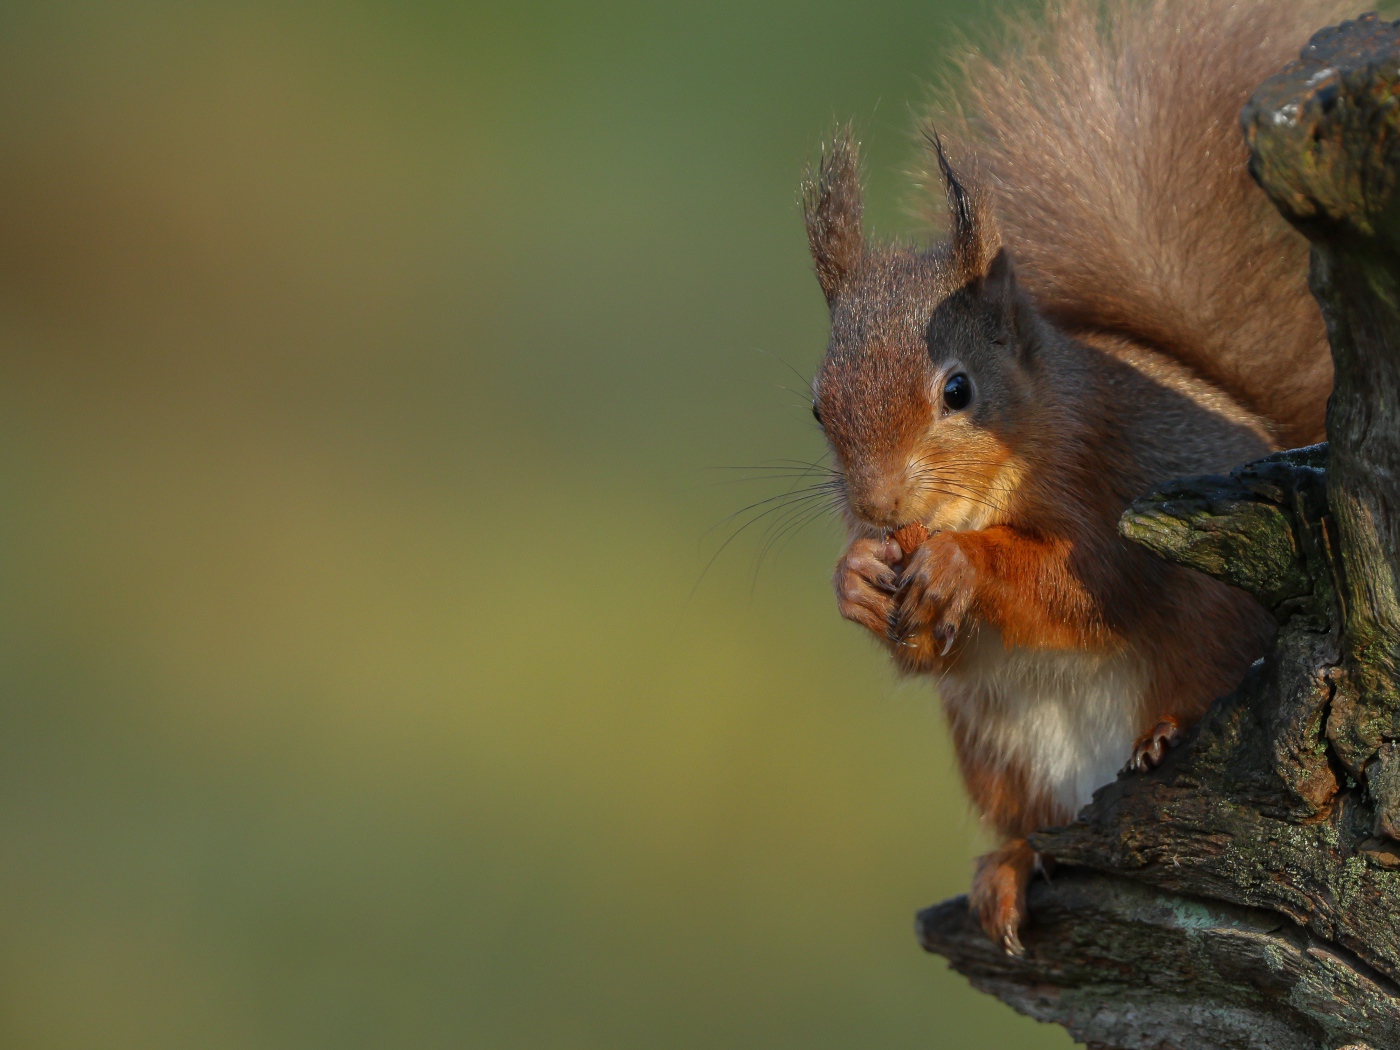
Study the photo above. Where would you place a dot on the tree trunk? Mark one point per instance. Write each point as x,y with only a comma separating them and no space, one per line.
1247,893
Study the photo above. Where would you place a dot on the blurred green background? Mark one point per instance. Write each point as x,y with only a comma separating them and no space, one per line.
365,366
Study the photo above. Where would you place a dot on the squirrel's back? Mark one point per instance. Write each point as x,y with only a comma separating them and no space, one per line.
1108,140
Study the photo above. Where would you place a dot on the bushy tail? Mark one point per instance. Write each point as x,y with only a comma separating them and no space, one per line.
1108,138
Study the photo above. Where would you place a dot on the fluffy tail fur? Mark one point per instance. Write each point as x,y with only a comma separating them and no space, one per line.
1108,140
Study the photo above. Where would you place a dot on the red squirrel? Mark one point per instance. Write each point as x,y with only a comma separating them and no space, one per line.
1115,304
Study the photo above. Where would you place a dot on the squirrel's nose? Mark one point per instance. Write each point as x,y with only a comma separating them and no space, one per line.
880,504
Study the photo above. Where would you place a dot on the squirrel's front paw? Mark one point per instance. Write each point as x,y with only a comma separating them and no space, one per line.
998,894
866,581
935,593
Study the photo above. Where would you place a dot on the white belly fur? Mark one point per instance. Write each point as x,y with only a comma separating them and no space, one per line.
1068,719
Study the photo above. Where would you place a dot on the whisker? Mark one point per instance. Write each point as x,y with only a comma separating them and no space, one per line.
778,474
788,501
781,531
801,378
781,499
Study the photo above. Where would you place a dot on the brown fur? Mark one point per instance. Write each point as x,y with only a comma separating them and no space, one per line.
1109,141
1127,309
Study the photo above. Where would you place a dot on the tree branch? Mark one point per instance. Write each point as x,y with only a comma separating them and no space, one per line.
1121,965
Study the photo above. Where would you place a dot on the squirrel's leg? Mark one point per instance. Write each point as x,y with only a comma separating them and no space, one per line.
1006,801
998,894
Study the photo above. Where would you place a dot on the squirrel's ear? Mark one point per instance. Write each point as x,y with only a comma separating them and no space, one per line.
831,207
975,239
1016,317
1000,282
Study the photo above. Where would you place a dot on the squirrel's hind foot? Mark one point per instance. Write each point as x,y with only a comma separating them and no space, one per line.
1151,747
998,894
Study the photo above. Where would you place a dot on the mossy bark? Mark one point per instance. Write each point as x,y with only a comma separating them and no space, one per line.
1247,893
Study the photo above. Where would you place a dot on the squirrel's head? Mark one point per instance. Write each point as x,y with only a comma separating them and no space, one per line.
929,360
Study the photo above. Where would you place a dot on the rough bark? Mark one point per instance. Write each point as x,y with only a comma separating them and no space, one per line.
1122,965
1247,893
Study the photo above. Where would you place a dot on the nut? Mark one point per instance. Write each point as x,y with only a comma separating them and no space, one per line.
910,536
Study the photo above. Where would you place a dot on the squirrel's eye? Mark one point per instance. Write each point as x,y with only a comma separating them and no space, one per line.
957,392
816,413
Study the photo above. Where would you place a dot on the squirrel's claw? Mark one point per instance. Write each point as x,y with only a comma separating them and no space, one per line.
947,634
932,600
998,894
897,631
1151,748
1011,943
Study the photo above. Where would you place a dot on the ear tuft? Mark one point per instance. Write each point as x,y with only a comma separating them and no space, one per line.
975,239
831,207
